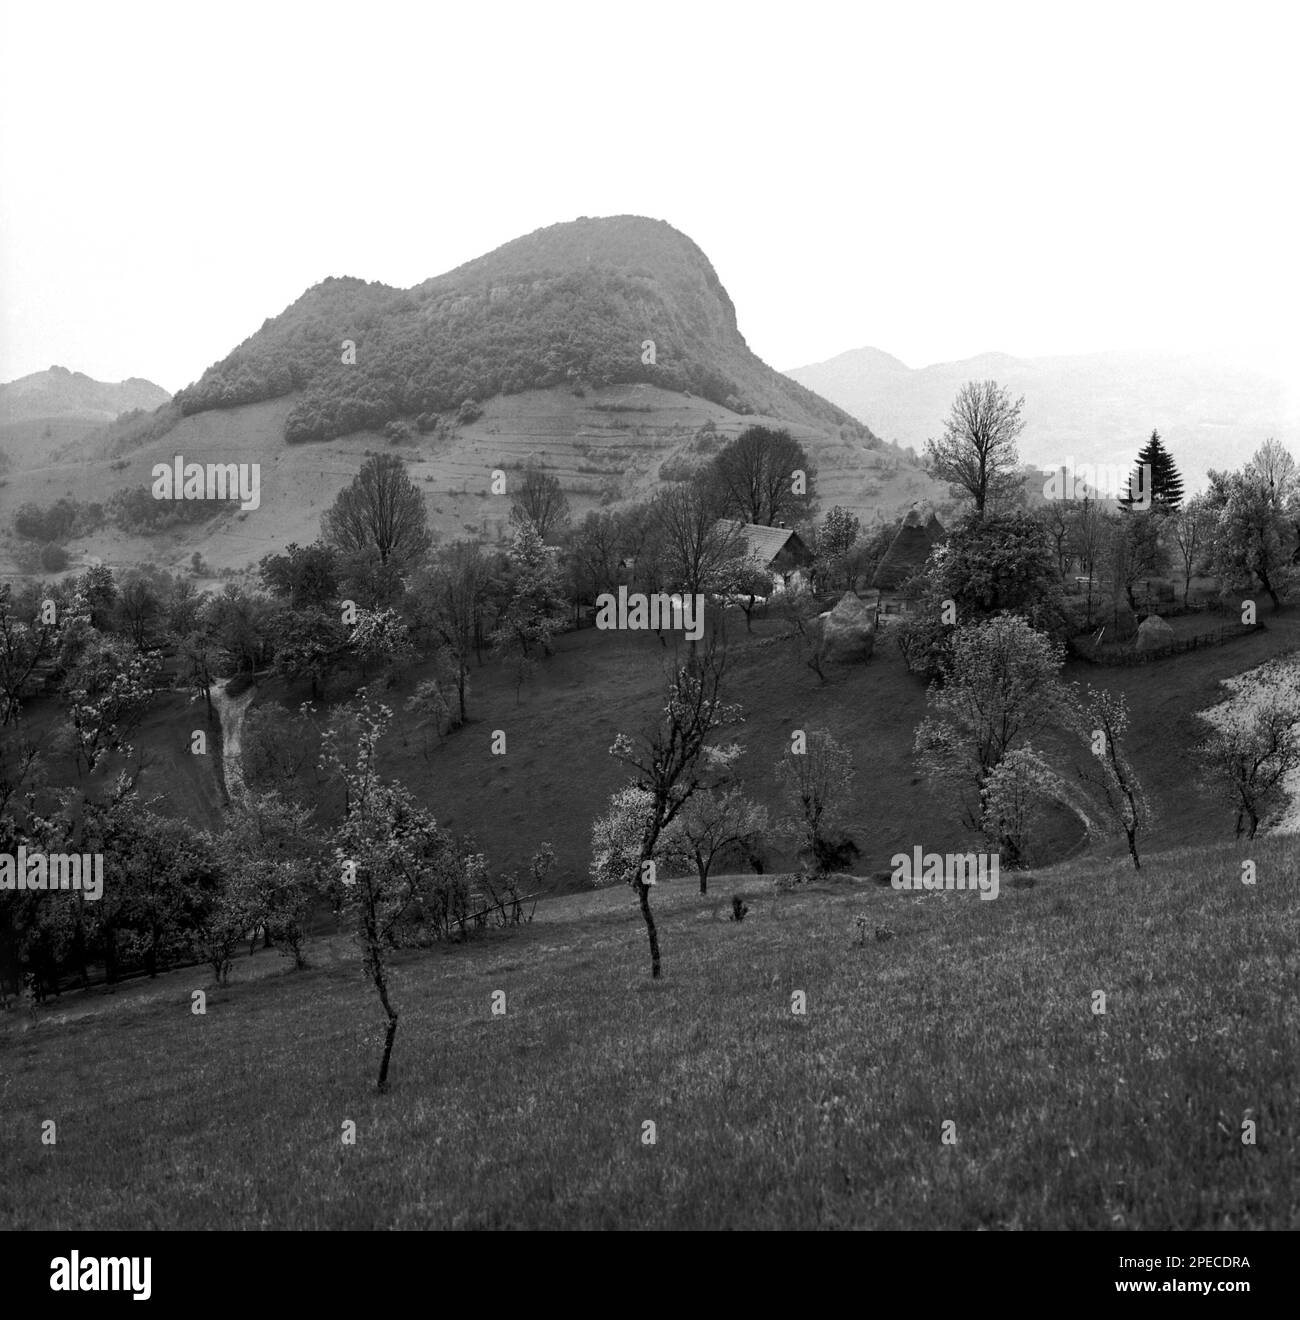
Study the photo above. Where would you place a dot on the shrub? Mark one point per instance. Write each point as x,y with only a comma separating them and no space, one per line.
54,558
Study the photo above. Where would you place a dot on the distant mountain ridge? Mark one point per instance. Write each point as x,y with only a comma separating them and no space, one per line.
1095,408
58,392
49,410
587,303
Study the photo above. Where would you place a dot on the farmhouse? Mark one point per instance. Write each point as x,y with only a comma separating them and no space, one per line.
779,551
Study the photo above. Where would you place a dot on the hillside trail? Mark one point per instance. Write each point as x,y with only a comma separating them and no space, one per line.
230,714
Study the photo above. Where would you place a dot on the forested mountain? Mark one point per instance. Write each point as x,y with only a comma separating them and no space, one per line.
574,303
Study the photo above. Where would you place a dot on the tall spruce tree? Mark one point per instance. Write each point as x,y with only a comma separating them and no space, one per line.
1165,487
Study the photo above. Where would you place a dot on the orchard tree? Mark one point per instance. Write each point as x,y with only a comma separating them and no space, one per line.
389,851
1101,720
1254,748
1019,784
977,453
381,635
107,695
816,777
672,762
713,822
23,645
1001,685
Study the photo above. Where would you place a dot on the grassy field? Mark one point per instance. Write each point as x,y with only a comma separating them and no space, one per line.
976,1012
557,775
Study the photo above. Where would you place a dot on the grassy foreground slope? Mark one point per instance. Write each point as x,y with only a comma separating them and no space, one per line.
976,1012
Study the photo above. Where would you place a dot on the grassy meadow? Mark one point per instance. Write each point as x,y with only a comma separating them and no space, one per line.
976,1012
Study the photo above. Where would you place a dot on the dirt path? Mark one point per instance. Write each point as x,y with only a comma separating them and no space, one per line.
230,713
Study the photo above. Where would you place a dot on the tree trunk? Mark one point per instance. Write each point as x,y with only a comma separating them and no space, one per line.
382,986
643,893
1132,847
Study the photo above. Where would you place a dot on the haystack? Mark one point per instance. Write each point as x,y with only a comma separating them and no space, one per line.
849,630
908,551
1154,633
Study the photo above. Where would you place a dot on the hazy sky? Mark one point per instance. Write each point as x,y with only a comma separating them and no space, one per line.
934,179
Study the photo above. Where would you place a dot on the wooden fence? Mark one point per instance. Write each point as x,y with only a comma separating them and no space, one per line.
1132,656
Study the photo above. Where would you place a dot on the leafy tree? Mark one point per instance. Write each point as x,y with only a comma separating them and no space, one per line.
97,588
1019,783
432,699
1000,686
381,511
693,550
750,585
816,785
540,501
107,694
1089,530
533,612
1101,719
240,625
835,539
381,635
139,609
977,452
1192,526
1134,551
1253,750
755,478
453,591
391,856
308,643
713,822
594,549
998,563
1254,540
278,749
671,761
305,576
23,646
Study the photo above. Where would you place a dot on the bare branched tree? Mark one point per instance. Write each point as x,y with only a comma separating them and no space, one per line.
977,452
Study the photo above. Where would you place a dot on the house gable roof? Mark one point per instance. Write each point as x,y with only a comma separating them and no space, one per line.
764,544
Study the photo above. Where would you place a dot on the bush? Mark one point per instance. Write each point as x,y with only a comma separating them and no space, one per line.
834,852
469,411
54,558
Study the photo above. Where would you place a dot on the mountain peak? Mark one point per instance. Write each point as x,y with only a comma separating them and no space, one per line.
589,302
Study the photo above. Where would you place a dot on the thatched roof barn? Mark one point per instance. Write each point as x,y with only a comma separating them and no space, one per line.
910,549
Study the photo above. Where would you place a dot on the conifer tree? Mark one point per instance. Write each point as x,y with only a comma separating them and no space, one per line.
1164,487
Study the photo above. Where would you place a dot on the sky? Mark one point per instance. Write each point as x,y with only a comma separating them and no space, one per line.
936,180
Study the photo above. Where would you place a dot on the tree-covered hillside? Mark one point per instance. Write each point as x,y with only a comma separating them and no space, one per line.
574,303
